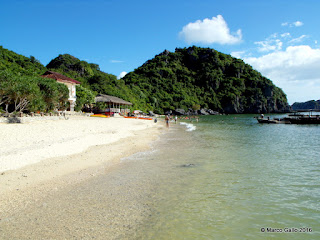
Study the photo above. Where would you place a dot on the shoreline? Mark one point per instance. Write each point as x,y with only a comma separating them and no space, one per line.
30,183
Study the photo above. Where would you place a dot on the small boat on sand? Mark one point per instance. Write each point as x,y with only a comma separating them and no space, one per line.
143,118
99,115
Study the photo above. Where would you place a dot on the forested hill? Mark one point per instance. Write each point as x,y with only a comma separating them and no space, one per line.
91,77
19,64
189,78
205,78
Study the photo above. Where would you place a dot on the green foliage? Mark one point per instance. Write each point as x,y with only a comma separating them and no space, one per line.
202,76
196,107
85,97
16,63
94,80
54,94
186,78
75,68
27,93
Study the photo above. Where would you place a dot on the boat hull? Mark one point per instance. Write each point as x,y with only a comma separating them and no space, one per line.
262,120
305,119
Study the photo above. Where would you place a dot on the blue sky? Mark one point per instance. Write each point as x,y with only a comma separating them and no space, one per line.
279,38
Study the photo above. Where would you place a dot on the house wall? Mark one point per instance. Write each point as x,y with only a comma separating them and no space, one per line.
72,94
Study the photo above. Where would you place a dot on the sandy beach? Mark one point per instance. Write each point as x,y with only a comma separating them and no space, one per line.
40,157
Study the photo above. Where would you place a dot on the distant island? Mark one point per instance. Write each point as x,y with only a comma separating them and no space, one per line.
309,105
189,80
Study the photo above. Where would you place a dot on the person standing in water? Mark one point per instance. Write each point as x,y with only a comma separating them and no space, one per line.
167,118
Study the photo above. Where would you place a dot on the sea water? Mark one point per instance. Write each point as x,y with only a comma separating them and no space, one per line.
224,177
228,177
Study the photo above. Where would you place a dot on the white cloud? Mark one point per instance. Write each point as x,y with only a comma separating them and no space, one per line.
121,75
237,54
285,35
275,42
210,31
116,61
295,69
269,45
298,24
293,24
298,40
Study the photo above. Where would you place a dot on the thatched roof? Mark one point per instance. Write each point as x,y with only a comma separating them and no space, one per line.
111,99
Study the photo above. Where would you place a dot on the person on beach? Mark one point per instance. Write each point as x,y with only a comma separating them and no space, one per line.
175,119
167,120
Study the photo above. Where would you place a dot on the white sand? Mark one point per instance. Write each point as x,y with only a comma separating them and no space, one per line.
25,144
41,160
38,158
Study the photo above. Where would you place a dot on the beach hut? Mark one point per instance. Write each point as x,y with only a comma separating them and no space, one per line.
115,105
69,82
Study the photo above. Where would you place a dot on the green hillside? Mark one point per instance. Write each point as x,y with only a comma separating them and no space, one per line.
91,77
206,78
189,78
16,63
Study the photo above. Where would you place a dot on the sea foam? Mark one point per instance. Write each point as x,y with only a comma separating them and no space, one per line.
190,127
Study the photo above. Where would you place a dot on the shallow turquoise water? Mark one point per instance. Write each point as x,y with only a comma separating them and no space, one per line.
245,178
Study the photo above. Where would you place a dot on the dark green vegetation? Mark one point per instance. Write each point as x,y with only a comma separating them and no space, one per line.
21,88
16,63
206,78
93,81
312,104
188,78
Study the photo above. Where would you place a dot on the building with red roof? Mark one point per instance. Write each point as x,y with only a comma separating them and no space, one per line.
69,82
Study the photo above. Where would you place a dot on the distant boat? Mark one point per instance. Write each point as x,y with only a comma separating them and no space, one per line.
296,118
306,119
266,120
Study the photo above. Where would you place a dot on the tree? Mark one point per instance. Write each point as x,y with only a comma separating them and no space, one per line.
85,97
54,94
19,93
5,84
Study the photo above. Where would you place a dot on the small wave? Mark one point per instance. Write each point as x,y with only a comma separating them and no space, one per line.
190,127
